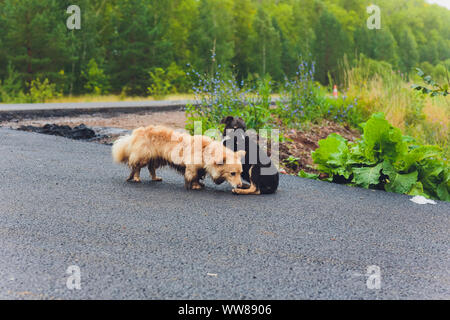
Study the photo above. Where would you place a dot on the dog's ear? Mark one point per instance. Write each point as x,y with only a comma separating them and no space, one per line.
220,159
242,124
217,157
227,120
241,153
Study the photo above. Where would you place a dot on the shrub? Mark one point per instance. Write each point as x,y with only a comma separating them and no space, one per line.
219,96
11,87
41,91
160,85
388,91
164,82
304,100
96,80
435,88
300,98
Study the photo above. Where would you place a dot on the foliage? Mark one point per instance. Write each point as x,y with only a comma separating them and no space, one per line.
164,82
41,91
96,80
11,87
160,84
246,37
303,100
220,96
379,88
385,159
330,45
436,89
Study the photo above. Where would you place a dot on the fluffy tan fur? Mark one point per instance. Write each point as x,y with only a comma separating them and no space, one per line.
193,156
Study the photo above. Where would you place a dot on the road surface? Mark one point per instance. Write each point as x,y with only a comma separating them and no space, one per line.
64,203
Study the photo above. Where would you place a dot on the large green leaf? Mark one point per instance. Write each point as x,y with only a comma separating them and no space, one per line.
303,174
417,190
443,191
432,173
398,183
358,156
367,176
332,155
419,154
382,140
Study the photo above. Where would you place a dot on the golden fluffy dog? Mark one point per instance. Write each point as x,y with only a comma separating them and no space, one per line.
193,156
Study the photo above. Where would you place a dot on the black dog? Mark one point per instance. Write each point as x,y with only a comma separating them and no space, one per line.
257,168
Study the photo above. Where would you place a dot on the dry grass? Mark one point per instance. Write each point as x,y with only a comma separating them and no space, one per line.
425,118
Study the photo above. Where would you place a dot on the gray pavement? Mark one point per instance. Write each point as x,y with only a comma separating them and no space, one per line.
93,105
30,110
65,203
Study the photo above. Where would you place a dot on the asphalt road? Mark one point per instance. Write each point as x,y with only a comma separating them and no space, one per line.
106,106
65,203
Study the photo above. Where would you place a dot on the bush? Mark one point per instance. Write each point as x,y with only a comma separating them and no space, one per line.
304,100
385,159
41,91
220,96
96,81
11,87
164,82
301,99
388,91
160,84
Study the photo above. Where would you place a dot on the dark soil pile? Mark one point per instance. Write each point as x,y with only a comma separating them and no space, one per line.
300,144
80,132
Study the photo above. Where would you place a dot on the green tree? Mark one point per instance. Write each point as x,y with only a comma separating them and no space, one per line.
35,39
407,50
243,15
136,44
329,47
267,46
376,44
212,37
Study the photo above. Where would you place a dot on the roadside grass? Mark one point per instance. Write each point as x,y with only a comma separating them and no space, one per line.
379,89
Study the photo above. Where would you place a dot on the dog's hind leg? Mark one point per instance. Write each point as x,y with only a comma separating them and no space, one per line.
153,175
135,174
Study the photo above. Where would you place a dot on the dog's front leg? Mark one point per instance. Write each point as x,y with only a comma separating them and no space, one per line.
245,186
252,190
191,178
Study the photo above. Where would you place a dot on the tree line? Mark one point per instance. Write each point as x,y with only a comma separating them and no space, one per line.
126,46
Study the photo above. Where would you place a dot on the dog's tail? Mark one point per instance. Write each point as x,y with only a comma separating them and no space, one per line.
121,149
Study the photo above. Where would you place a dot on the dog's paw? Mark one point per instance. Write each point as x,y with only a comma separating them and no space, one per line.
235,191
197,186
157,179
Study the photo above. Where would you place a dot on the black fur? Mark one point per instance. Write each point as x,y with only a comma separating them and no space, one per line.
159,162
256,159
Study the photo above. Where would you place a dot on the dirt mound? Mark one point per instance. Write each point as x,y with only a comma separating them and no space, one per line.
80,132
295,152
